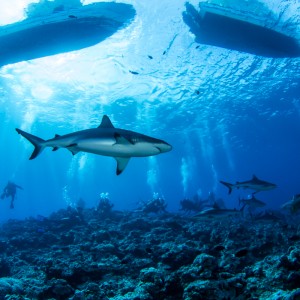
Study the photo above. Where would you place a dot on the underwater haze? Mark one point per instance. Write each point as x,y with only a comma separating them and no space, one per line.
228,114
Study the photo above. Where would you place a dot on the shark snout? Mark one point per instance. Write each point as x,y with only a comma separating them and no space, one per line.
164,147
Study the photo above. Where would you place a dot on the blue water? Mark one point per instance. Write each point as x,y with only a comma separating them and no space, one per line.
227,114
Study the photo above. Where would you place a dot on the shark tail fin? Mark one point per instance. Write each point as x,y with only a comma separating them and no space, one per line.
35,141
228,185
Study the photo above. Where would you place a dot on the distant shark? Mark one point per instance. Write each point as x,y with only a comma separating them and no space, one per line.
253,202
219,214
293,205
254,184
105,140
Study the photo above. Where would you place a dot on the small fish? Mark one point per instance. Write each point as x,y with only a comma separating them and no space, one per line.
134,72
254,184
293,205
72,17
150,56
252,202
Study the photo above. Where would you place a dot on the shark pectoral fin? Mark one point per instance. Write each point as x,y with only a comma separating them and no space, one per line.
73,149
121,164
106,123
122,140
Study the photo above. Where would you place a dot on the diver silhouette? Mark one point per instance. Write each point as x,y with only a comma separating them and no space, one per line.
10,190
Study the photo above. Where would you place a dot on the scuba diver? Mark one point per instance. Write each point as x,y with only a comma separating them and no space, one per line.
10,191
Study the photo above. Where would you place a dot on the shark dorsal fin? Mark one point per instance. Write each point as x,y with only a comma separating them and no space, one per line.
121,164
254,177
56,136
55,149
106,123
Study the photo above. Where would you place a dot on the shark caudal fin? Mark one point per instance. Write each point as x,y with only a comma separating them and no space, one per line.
35,141
228,185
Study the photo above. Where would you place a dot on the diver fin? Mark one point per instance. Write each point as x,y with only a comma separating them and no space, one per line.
121,164
106,123
37,142
122,140
73,149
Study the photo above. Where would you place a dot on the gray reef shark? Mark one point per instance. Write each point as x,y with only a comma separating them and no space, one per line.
105,140
217,213
254,184
293,205
253,202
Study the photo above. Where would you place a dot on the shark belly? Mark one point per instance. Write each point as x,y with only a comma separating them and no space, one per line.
109,147
143,149
97,146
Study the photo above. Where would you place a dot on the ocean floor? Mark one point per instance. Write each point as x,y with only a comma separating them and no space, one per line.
83,254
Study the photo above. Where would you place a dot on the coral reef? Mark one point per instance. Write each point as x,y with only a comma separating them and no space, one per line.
77,254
